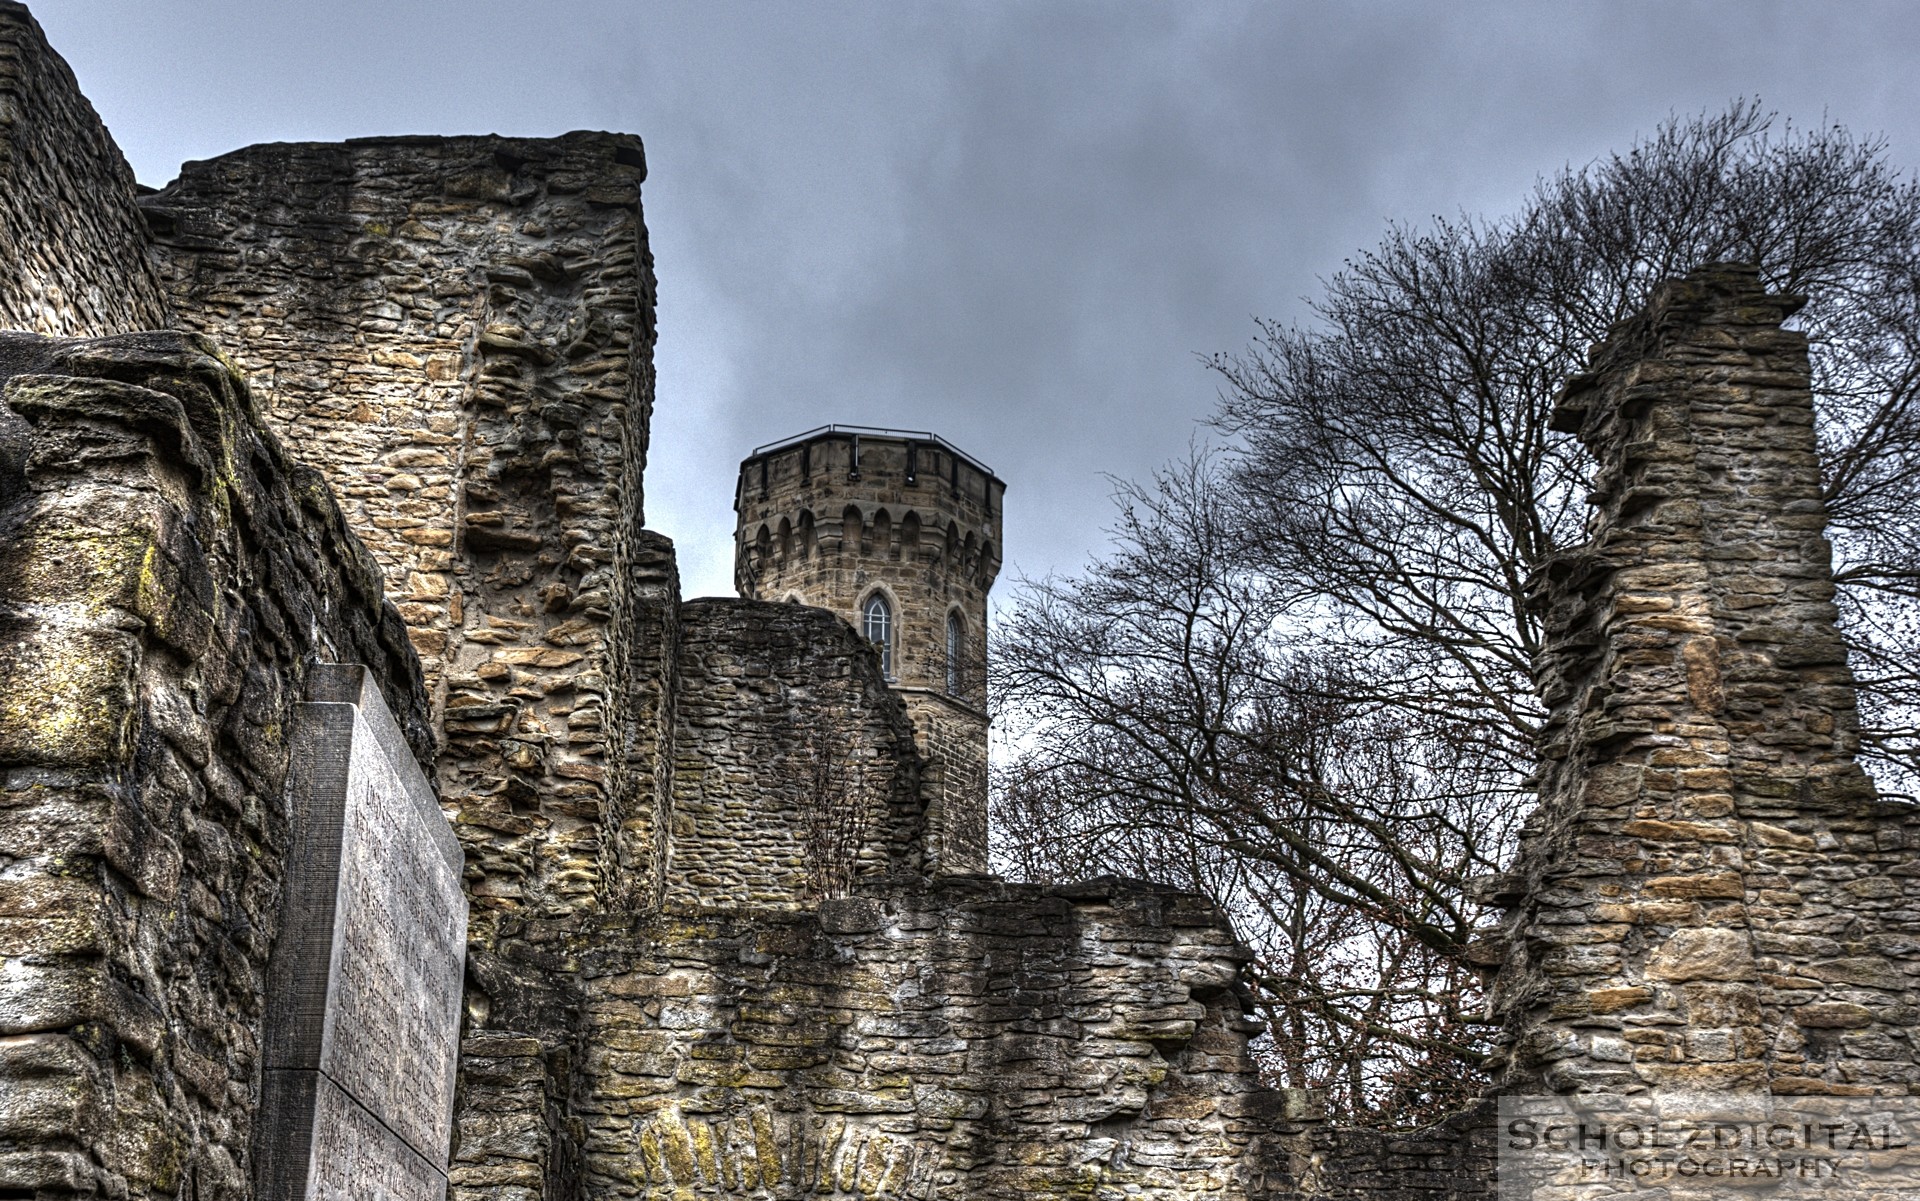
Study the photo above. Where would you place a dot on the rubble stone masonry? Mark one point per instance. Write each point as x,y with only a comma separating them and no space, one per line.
73,247
794,775
965,1039
459,331
1711,896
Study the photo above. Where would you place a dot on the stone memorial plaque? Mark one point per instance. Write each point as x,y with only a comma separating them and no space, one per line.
363,1009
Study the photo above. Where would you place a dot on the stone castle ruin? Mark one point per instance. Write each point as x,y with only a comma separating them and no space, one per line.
898,533
378,821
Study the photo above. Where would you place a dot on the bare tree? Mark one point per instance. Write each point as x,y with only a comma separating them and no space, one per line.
836,806
1303,678
1394,458
1176,727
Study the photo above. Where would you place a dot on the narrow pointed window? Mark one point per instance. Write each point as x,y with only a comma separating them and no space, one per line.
956,652
877,622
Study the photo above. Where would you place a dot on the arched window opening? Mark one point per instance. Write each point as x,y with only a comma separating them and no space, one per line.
956,652
806,534
876,617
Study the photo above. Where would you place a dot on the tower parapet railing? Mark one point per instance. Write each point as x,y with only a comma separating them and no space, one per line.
873,431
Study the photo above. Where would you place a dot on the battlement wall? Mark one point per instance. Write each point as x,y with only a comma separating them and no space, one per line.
828,520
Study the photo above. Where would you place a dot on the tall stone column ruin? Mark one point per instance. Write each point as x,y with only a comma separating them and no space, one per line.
1711,901
1711,896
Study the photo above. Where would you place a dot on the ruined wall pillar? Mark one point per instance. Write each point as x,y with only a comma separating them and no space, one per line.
459,333
1710,896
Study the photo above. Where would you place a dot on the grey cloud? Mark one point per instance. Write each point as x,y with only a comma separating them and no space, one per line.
1014,223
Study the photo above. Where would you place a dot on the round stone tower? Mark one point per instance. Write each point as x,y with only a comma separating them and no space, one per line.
898,531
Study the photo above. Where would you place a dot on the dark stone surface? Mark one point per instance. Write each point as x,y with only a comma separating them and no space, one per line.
349,1154
72,247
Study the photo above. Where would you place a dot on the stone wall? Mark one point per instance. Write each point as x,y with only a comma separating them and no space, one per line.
707,958
720,949
1710,896
808,1015
638,782
459,331
167,576
970,1040
72,251
953,739
794,773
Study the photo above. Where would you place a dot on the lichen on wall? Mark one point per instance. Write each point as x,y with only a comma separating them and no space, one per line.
166,577
968,1039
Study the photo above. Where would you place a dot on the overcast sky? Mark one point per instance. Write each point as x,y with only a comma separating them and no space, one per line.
1015,224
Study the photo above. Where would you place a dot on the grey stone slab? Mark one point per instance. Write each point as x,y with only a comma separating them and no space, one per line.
365,981
352,684
333,1149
